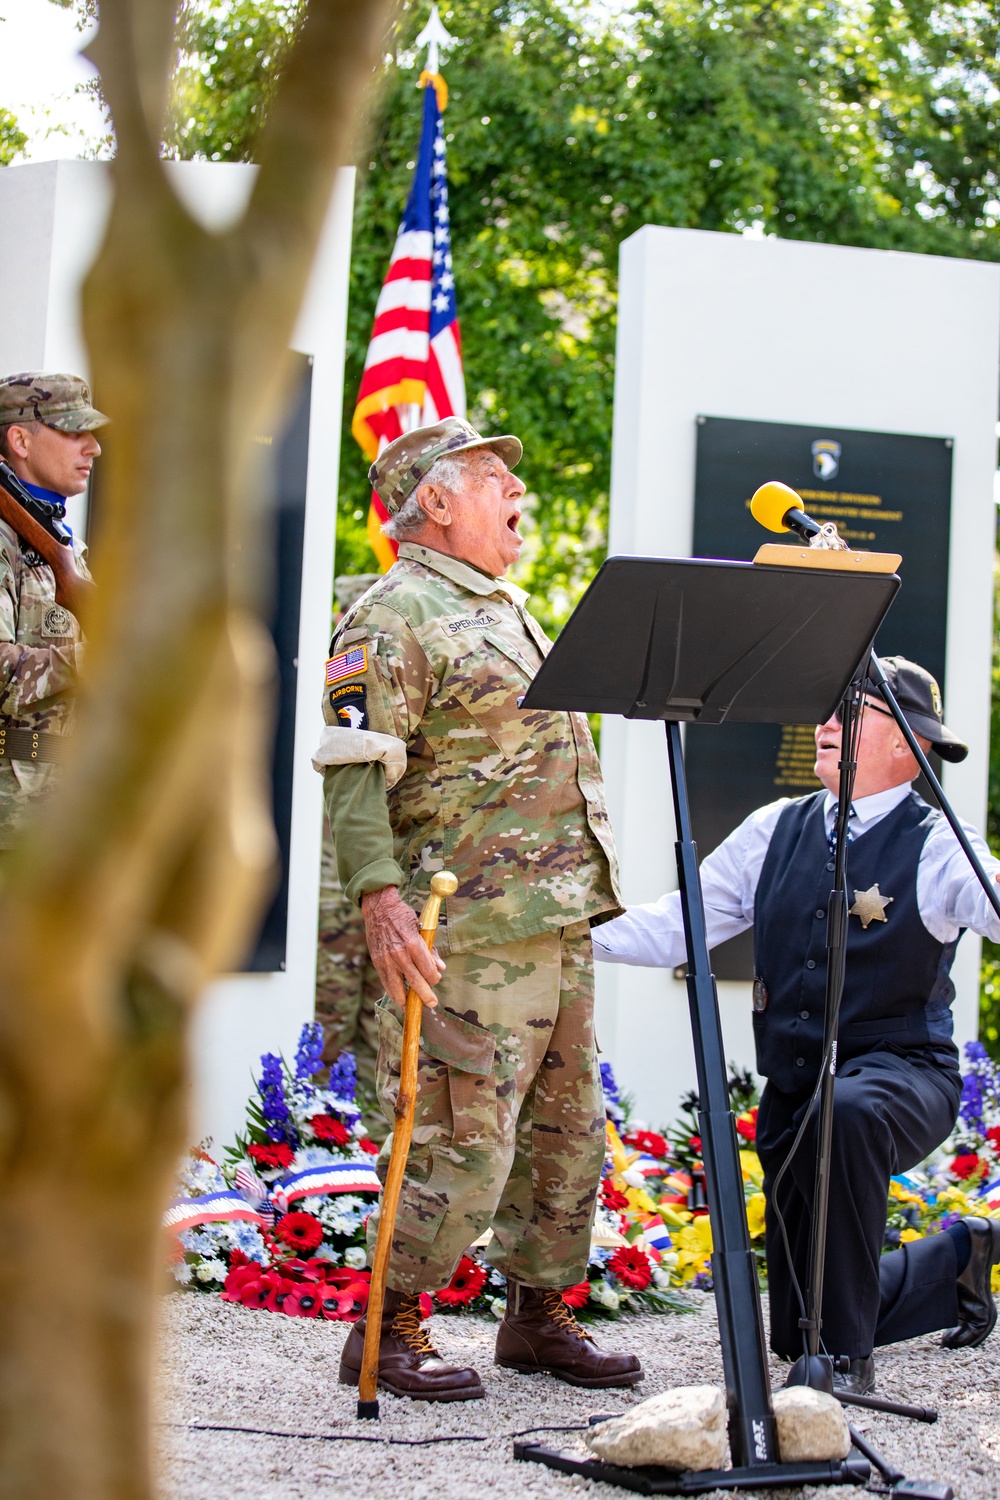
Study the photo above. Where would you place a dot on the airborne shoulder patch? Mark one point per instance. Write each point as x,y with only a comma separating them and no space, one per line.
349,702
352,663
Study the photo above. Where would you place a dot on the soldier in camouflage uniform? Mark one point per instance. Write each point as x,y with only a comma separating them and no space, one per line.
47,437
430,763
347,982
347,986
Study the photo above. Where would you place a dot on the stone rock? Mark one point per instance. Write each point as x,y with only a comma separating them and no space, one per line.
680,1429
811,1425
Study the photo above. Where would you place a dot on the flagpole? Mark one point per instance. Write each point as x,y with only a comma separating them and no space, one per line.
432,37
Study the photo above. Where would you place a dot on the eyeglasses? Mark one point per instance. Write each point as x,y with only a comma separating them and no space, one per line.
867,705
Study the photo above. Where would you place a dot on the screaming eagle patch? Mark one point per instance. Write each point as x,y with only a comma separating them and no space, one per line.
349,703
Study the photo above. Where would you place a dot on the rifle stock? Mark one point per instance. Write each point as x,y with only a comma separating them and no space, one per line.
72,588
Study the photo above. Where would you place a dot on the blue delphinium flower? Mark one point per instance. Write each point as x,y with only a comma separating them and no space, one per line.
980,1088
971,1109
273,1105
309,1057
611,1089
343,1080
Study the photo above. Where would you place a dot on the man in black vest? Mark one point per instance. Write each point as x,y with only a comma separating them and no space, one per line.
898,1085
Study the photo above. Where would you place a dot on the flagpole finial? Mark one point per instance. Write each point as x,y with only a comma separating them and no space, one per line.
432,37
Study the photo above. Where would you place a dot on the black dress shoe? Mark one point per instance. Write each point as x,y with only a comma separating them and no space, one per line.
977,1313
858,1380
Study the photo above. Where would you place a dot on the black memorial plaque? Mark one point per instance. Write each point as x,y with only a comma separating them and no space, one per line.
287,447
887,492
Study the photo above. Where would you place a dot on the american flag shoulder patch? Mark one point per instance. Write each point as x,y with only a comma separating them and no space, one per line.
348,664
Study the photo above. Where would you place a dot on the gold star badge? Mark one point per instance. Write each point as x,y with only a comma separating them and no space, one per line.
870,905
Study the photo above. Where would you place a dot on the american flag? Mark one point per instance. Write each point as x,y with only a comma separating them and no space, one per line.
347,664
413,369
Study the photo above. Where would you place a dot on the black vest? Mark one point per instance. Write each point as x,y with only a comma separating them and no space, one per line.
897,991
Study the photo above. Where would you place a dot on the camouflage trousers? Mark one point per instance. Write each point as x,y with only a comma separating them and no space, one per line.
509,1124
347,987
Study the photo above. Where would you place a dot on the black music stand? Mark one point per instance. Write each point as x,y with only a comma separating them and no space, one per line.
695,640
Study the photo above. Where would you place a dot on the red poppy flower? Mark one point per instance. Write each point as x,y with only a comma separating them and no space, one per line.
631,1267
239,1278
746,1125
467,1282
577,1296
265,1290
302,1302
274,1154
337,1304
299,1231
968,1163
326,1128
368,1145
647,1140
611,1197
278,1288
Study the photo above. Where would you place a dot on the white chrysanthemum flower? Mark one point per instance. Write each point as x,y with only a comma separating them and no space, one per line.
182,1272
605,1295
210,1270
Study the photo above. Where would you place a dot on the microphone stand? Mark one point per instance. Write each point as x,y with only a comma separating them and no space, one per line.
813,1368
989,886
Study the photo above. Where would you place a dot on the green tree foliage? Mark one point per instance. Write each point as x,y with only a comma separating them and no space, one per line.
12,138
567,131
230,57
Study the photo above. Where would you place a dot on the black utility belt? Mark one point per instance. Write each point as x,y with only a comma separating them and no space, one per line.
27,744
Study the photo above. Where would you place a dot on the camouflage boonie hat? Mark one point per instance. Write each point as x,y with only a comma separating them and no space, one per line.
60,401
398,470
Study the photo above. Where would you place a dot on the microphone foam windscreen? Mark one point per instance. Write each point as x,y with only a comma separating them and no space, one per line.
772,502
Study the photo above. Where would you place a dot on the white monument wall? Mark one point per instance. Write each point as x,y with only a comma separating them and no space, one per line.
779,331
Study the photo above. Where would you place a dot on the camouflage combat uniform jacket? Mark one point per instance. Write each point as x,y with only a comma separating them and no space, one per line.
40,651
510,800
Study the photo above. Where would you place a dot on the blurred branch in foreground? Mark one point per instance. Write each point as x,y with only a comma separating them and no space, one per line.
147,870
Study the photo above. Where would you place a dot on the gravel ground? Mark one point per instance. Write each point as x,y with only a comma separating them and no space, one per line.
232,1366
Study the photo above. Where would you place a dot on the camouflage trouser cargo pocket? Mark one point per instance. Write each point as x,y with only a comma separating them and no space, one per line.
509,1119
456,1086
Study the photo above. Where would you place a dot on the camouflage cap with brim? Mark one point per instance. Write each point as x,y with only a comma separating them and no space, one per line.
401,466
60,401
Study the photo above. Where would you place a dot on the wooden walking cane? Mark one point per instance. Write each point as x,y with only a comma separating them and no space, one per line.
442,885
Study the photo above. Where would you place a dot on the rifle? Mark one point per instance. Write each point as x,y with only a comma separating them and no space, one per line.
39,523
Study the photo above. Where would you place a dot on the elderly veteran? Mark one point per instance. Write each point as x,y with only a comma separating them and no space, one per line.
47,437
429,763
898,1085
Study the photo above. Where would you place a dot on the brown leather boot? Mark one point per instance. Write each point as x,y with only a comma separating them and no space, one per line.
539,1335
408,1363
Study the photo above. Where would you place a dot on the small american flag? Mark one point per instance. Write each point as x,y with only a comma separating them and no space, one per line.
413,370
347,664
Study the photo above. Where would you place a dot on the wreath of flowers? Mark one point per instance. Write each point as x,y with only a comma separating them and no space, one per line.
273,1226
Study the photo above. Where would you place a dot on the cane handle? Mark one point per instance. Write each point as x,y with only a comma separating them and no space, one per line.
443,885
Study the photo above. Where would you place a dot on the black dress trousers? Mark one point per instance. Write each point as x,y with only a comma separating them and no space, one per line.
890,1111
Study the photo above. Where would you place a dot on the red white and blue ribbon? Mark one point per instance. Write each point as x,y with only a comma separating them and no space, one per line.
331,1177
211,1208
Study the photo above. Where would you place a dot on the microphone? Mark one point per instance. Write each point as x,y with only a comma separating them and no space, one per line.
778,507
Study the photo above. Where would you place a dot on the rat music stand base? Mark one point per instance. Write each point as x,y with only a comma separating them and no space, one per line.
651,1479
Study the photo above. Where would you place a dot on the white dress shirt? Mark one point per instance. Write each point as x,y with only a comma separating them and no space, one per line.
949,896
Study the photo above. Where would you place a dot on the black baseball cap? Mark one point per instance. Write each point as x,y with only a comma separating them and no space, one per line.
919,696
